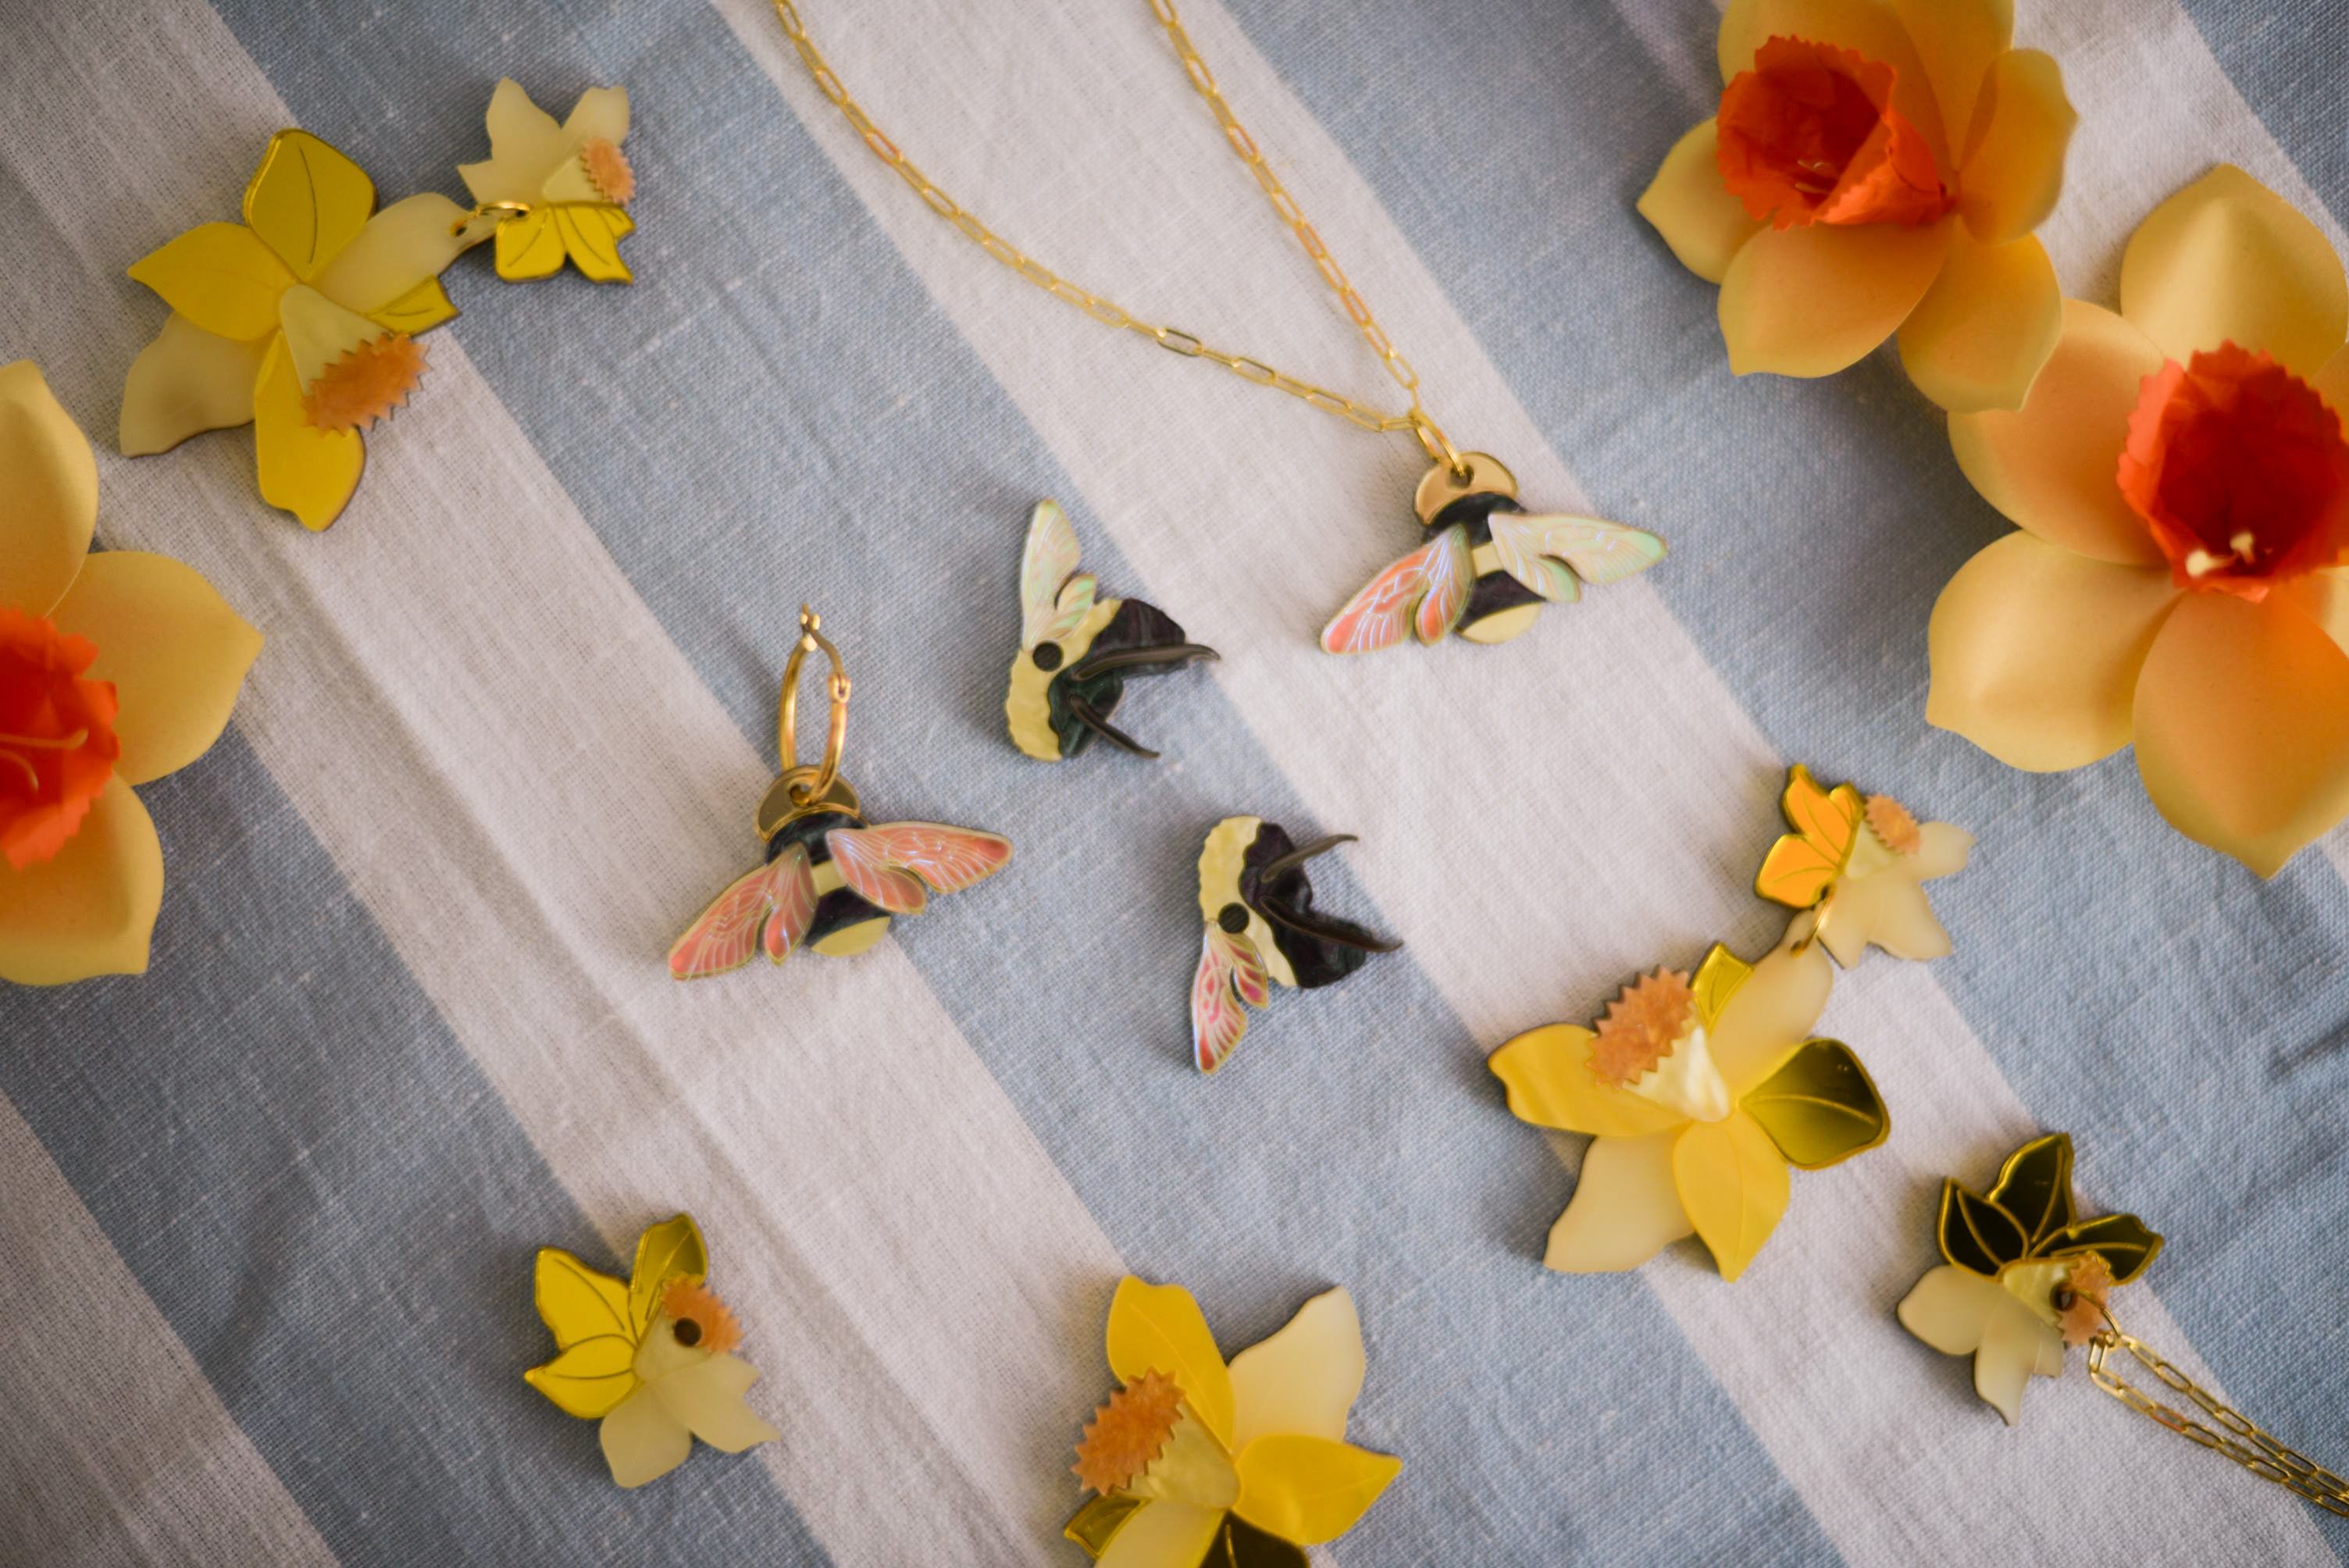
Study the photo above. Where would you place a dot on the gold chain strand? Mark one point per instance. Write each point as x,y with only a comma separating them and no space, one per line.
2241,1442
1108,312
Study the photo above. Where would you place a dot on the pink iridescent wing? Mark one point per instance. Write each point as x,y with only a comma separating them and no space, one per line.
1047,563
793,894
725,936
1229,972
890,866
1531,546
1425,591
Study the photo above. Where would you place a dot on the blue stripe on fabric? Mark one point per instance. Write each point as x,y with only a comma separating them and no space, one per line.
776,412
2184,1020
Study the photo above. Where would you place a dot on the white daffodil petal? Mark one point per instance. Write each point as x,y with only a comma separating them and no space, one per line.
1626,1207
1304,1379
2013,1347
524,143
600,111
1941,849
318,331
708,1398
1949,1307
642,1440
1889,910
402,245
1163,1534
185,382
1770,1014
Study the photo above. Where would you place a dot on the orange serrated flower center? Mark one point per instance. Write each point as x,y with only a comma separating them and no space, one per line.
703,1322
1129,1432
2081,1310
1642,1027
365,384
57,745
607,170
1892,822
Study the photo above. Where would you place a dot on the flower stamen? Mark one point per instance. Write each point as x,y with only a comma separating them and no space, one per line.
11,744
365,384
1642,1025
701,1320
1129,1432
2079,1300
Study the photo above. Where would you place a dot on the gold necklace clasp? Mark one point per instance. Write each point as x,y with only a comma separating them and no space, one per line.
809,788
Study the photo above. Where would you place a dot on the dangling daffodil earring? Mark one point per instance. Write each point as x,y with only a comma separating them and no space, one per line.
1858,867
554,193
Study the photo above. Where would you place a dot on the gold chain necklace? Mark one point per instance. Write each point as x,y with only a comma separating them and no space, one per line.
1491,564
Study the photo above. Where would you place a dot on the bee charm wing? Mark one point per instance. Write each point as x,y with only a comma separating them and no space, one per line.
795,900
1048,562
1426,590
1531,545
896,866
1229,972
725,936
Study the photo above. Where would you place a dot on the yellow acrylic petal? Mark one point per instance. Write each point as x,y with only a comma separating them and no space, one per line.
592,236
524,143
642,1441
1770,1014
1733,1184
1163,1533
1956,40
2014,1349
599,112
420,309
2013,166
530,246
52,478
1548,1071
1304,1379
588,1378
2035,652
707,1396
668,1251
174,650
1694,210
399,249
2052,467
578,1303
2227,260
1986,329
1872,28
304,470
185,382
220,277
91,909
1159,1328
307,201
1950,1307
1811,301
2242,728
1720,977
1309,1490
1625,1209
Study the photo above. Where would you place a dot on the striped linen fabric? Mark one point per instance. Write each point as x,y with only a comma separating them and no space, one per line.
271,1207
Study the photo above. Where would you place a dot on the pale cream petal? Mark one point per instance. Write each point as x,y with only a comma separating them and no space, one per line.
1163,1534
2035,652
1694,210
1812,300
1302,1381
52,477
174,650
2227,260
1625,1210
2052,467
1941,849
2242,728
185,382
318,331
707,1397
91,909
1950,1307
2012,1341
1887,910
524,143
2013,166
1985,329
1956,40
642,1441
402,246
600,111
1770,1014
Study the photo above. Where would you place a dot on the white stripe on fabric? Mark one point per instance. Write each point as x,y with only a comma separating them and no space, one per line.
1598,773
114,1447
491,734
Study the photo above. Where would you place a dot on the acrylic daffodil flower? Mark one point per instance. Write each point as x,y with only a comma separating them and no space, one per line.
2182,484
1875,167
1858,868
648,1356
1698,1094
556,190
1194,1463
2023,1274
299,320
114,669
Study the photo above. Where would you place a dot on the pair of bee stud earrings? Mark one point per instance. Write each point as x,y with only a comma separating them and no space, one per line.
831,881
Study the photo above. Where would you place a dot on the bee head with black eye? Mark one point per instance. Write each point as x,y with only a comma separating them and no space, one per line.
1077,651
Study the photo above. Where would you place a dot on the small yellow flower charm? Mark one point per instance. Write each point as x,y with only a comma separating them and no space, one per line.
1194,1463
300,320
648,1356
555,190
1859,867
1699,1092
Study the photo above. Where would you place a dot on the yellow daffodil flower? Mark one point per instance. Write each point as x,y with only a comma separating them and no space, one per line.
647,1357
1194,1463
2181,581
1859,868
114,669
1876,166
300,320
555,190
1697,1094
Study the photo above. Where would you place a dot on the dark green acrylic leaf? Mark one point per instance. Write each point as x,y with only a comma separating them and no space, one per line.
1820,1107
1977,1234
2035,1185
2122,1240
1239,1544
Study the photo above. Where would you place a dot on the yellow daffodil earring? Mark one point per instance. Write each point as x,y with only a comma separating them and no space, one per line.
1193,1463
554,193
301,321
648,1356
1857,867
114,669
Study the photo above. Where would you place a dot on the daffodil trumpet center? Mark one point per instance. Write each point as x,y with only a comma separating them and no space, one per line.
1147,1442
58,742
608,170
1809,135
1652,1044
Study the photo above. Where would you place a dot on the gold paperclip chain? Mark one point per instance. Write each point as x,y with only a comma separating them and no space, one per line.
1108,312
2241,1442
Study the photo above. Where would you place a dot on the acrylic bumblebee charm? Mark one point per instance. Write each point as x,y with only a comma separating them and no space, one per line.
831,881
1077,651
1262,930
1488,566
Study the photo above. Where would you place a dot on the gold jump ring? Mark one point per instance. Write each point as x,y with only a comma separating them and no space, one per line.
787,714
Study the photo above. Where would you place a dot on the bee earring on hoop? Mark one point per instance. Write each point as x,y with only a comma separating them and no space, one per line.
829,881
